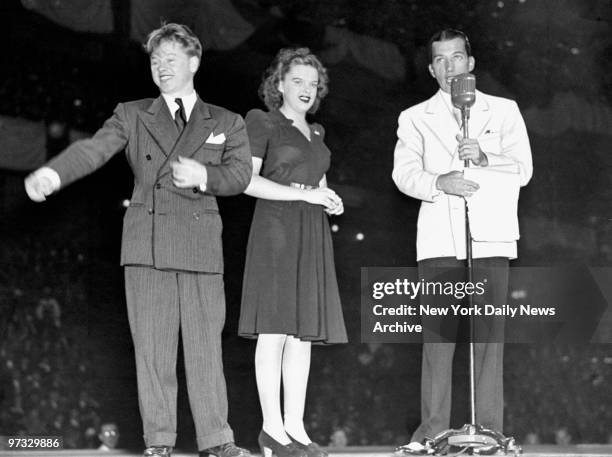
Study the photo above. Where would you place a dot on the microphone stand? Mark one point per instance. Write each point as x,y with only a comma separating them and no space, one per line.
472,437
465,115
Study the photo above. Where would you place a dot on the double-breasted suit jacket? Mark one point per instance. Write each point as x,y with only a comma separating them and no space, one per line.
427,148
170,246
167,227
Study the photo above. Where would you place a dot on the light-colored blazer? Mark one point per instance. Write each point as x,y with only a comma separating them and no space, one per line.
164,226
427,148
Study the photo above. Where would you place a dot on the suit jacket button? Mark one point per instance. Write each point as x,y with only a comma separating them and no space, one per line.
158,186
151,211
195,190
148,156
196,216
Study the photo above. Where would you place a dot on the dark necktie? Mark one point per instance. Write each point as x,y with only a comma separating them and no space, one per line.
179,117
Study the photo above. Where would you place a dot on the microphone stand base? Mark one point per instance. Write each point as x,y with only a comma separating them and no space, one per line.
473,439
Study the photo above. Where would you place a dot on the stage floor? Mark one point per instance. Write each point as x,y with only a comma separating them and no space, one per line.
580,450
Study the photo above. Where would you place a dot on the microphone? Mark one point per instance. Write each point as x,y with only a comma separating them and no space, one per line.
463,91
463,96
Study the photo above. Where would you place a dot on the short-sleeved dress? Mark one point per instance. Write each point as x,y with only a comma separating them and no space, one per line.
290,284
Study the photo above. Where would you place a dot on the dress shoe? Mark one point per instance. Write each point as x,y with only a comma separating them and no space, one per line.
413,448
225,450
269,446
312,449
158,451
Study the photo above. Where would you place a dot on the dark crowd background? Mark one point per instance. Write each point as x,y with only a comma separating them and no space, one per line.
65,348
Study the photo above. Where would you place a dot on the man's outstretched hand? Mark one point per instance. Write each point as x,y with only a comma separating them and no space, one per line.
38,186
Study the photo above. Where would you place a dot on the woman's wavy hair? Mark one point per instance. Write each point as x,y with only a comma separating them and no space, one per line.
286,57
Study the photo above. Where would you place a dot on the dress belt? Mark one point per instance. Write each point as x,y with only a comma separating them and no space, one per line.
297,185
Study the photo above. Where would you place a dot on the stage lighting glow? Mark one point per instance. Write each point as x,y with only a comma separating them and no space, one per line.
359,236
335,228
125,203
519,294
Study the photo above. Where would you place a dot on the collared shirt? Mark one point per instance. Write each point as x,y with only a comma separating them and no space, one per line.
449,104
189,102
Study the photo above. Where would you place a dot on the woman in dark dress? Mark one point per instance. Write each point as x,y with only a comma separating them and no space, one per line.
290,294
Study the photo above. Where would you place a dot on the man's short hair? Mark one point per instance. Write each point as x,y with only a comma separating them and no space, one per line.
446,35
178,33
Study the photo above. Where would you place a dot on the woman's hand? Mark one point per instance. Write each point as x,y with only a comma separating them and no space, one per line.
336,210
326,197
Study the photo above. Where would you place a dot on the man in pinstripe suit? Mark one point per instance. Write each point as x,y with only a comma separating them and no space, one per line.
183,153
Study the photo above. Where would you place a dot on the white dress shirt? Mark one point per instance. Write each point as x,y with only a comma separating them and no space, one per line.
189,102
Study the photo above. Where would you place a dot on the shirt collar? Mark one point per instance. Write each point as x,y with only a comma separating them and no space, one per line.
455,112
189,102
446,97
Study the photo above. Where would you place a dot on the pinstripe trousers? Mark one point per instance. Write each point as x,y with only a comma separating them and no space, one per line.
158,303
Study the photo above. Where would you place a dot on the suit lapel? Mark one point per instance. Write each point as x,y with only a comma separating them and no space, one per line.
443,125
197,130
441,122
199,126
480,114
160,125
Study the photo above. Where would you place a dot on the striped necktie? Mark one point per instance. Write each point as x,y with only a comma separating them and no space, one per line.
179,116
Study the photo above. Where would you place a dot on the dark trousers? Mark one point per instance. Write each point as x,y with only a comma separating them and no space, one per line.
436,375
159,302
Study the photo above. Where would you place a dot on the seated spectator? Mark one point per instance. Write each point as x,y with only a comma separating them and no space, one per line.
109,436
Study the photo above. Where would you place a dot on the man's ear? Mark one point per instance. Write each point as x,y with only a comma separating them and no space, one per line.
431,71
471,63
194,64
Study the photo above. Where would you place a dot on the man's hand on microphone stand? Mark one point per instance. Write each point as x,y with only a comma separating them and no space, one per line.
453,183
469,149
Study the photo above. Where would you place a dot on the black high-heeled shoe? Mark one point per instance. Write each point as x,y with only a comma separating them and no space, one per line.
270,446
312,449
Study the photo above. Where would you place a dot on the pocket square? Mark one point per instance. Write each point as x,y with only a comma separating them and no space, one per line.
218,139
